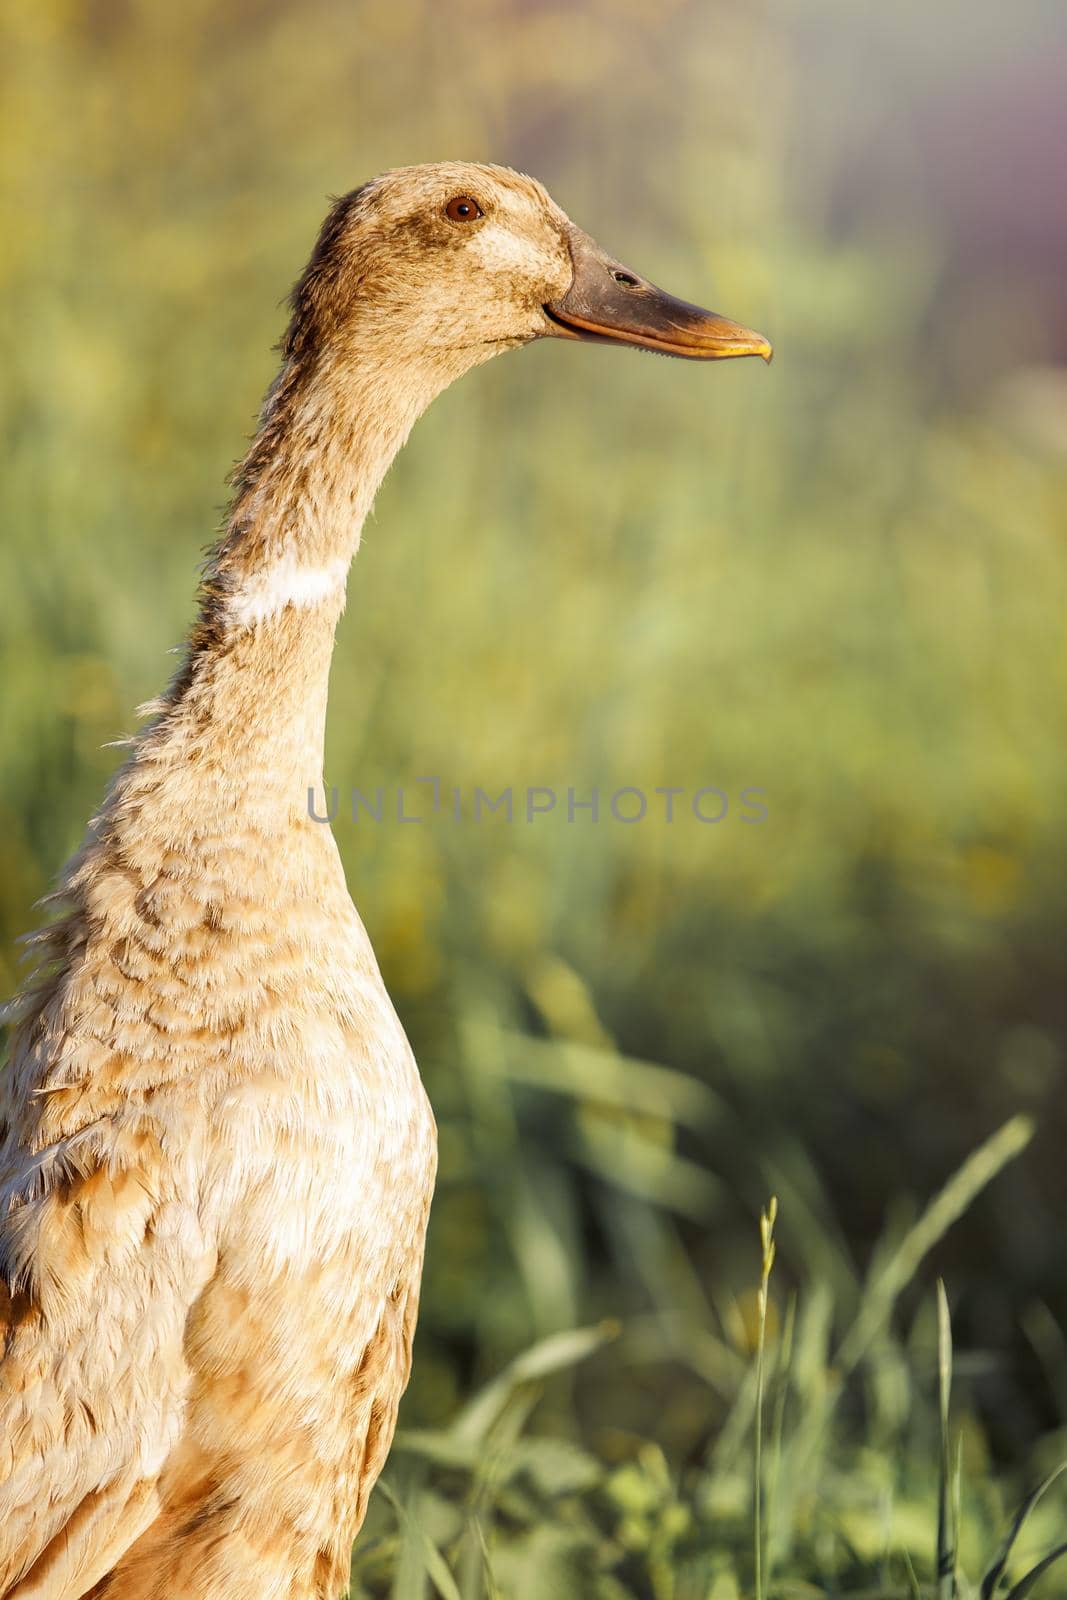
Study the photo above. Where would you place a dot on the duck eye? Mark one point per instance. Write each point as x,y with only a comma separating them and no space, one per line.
461,208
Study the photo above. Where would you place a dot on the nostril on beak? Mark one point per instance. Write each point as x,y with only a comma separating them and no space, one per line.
627,279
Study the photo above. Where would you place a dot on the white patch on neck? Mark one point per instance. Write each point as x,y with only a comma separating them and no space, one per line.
287,583
500,250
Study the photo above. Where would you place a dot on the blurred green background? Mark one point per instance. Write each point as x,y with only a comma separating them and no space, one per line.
841,581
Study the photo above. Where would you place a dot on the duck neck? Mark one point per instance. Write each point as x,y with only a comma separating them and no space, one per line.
248,709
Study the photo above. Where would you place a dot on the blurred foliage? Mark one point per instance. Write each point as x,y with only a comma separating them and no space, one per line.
484,1508
841,582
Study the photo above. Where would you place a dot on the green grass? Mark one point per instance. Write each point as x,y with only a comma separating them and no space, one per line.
490,1506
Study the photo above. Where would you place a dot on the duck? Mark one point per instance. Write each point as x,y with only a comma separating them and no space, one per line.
216,1153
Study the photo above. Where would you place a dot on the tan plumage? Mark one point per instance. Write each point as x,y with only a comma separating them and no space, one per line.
217,1155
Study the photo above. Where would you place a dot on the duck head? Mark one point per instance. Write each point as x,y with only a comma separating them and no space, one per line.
450,263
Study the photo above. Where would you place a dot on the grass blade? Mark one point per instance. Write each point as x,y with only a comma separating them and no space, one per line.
945,1209
913,1582
550,1355
995,1572
946,1543
604,1077
766,1228
414,1536
1023,1587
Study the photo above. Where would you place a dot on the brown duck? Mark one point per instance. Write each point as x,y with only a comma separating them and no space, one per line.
217,1156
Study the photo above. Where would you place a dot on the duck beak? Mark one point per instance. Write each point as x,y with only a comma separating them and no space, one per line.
608,304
